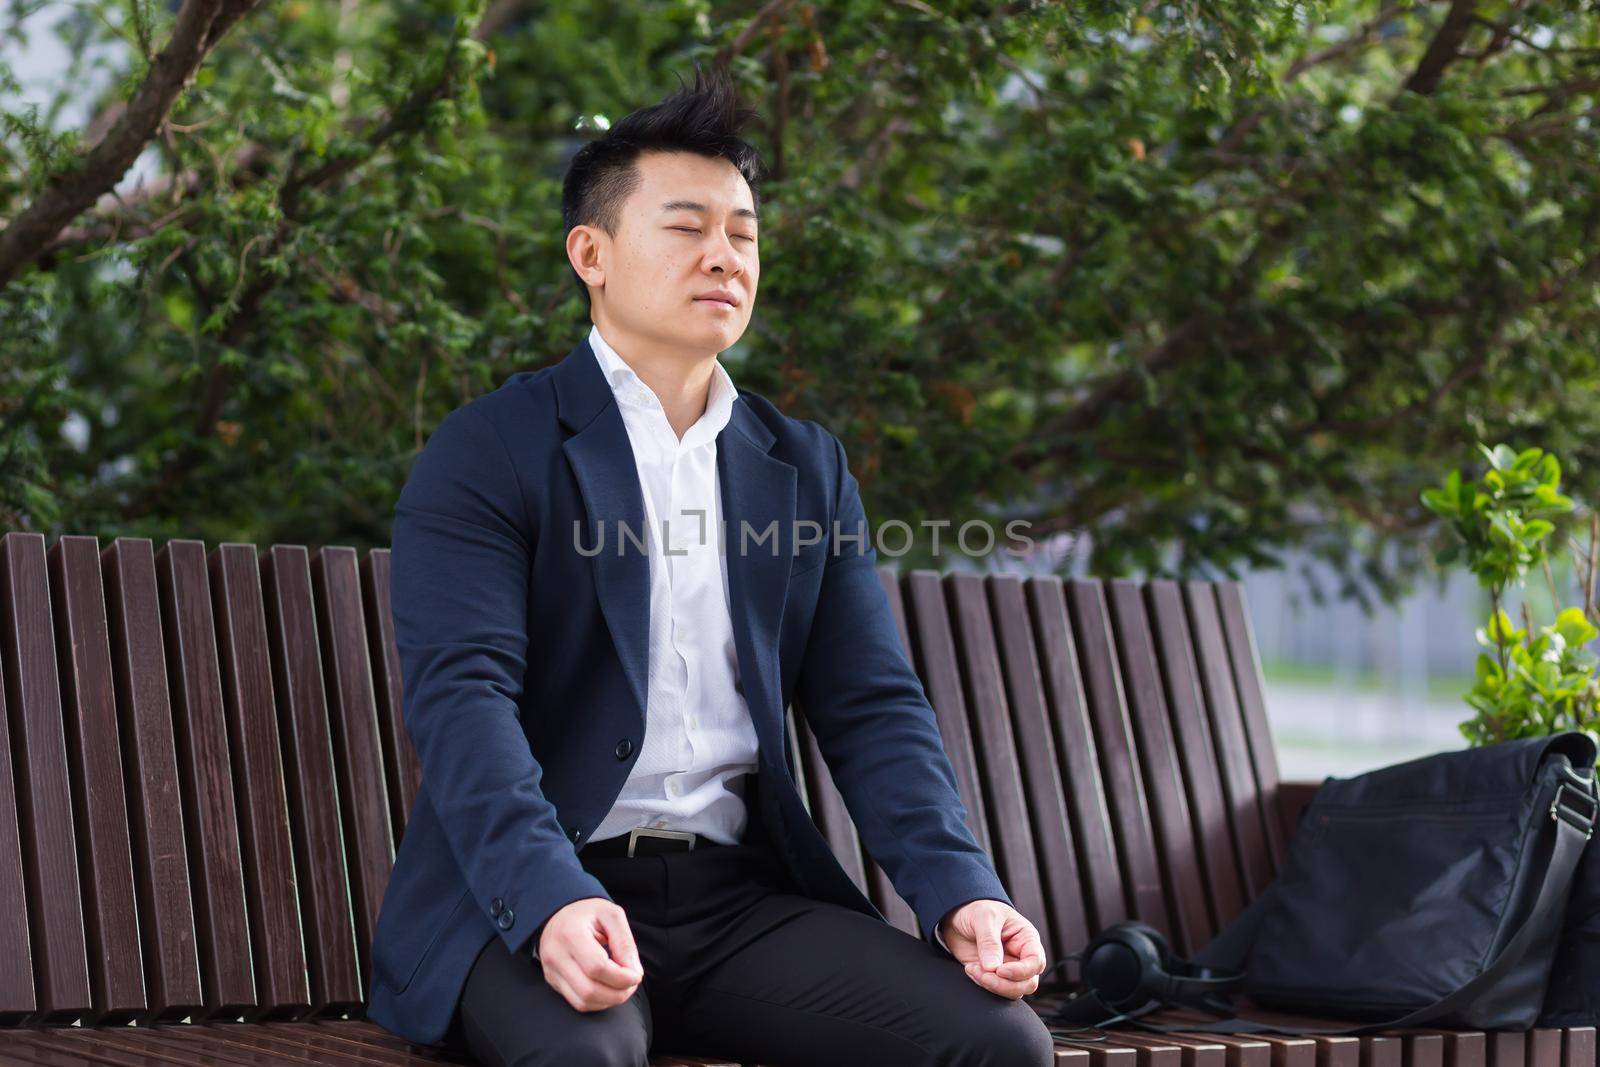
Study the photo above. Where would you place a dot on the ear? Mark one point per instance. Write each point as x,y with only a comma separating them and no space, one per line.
583,252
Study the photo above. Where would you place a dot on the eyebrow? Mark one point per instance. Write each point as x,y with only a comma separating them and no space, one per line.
691,205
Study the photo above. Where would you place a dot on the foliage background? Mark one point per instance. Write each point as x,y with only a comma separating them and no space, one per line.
1205,281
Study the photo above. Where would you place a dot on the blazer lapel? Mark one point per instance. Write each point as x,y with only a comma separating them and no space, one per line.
758,496
602,460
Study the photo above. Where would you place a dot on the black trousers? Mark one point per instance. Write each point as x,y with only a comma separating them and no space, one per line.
738,965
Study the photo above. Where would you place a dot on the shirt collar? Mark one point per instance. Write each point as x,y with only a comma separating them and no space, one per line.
630,389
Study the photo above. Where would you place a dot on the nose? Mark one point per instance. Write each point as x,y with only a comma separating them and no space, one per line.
725,257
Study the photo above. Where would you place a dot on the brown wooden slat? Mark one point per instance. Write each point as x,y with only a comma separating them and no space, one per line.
44,794
357,742
282,984
319,825
16,952
1196,752
1293,798
1103,1055
1202,1051
323,1045
1544,1048
162,1046
248,1044
1507,1049
1151,1051
884,895
402,771
1379,1050
144,712
1243,792
1286,1051
929,623
897,609
1190,924
1074,739
999,769
1242,1050
1465,1048
1422,1049
1041,774
1578,1047
1247,680
99,794
1119,761
359,1034
828,809
222,930
342,1037
65,1046
1294,1051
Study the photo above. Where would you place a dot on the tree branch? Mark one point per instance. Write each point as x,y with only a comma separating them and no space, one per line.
68,193
1444,49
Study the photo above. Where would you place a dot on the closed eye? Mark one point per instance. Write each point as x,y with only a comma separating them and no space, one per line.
690,229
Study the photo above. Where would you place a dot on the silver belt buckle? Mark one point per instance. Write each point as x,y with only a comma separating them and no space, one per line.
650,831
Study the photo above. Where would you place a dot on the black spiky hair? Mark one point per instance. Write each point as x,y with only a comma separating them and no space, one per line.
707,120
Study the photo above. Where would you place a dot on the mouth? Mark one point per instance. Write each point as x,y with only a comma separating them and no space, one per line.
713,302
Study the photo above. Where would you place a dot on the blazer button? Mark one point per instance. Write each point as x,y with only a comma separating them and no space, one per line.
506,919
496,906
623,748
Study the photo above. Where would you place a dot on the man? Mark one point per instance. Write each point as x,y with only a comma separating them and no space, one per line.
607,586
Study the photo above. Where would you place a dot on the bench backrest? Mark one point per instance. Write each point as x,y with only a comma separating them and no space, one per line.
204,772
1110,743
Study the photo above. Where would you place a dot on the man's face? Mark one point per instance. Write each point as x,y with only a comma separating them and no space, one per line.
648,282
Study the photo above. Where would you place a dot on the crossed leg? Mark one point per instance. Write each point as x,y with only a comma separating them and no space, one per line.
509,1016
828,986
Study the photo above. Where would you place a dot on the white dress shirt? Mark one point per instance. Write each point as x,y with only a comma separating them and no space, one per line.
698,733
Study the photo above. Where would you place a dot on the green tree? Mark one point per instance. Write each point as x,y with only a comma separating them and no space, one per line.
1218,277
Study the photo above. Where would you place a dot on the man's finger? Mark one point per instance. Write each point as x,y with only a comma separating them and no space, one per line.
1002,986
619,938
1026,967
989,947
590,956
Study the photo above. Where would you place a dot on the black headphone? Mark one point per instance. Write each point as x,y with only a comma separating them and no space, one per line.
1129,970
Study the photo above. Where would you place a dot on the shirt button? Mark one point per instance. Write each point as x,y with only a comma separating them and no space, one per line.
672,787
623,748
683,633
575,834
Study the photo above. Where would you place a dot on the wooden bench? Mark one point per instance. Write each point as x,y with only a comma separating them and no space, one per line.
203,777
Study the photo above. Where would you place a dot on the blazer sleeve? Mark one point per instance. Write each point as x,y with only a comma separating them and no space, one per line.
459,557
877,731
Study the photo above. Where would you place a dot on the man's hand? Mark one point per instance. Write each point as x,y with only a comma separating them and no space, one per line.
573,951
1001,950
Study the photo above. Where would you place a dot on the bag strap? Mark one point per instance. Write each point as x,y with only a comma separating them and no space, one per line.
1231,948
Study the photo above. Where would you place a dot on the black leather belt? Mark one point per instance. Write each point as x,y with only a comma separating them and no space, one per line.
643,841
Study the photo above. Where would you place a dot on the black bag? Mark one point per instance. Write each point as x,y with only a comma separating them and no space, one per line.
1432,891
1574,995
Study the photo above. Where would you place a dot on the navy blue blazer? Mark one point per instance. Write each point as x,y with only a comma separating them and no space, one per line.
524,667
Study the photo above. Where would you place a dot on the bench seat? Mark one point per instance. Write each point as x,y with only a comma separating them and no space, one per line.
176,887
